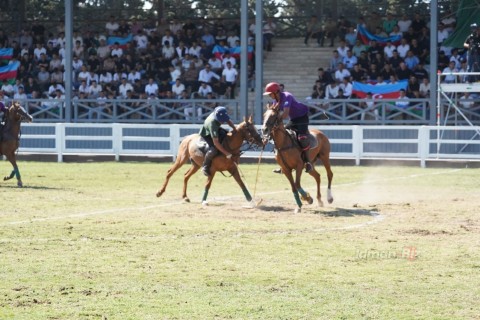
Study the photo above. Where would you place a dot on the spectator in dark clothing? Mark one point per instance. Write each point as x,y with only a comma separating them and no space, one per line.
357,73
387,71
420,72
395,60
373,50
403,73
418,23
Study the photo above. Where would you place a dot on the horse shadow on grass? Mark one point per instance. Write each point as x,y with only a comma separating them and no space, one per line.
326,212
29,187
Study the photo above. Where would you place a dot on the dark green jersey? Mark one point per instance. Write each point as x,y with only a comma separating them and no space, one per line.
210,127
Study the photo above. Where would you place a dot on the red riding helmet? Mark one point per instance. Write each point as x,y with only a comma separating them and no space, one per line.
272,87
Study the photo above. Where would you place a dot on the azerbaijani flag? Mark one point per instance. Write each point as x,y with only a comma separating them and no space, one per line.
6,53
365,37
383,91
122,41
219,51
9,72
237,51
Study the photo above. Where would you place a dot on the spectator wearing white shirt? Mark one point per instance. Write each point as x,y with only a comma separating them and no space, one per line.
94,90
206,74
403,48
116,50
342,49
388,49
347,87
194,49
227,57
177,88
124,87
204,89
331,91
449,77
111,26
232,39
168,51
37,52
229,76
134,75
174,74
167,37
105,77
151,87
141,40
341,73
404,23
215,64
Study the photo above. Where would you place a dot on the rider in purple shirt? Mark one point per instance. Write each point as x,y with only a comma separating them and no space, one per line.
298,114
2,107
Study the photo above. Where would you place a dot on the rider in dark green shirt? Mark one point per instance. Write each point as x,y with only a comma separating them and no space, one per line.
210,131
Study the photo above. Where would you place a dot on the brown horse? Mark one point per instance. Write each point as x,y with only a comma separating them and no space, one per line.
10,137
288,155
189,149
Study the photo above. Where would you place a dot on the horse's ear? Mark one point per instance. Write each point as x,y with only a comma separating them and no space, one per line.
244,119
250,119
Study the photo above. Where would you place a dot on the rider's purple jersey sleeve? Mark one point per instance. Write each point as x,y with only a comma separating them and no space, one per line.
297,109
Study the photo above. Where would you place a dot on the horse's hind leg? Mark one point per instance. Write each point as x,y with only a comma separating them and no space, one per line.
326,162
179,162
193,169
316,175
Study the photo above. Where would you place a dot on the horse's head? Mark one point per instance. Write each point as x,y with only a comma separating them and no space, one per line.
249,132
271,119
17,113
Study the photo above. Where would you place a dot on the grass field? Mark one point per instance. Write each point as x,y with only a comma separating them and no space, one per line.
91,241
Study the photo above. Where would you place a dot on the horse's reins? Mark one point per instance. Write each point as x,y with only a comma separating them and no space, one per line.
280,150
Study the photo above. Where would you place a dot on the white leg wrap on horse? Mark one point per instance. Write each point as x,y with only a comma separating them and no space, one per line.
329,196
204,203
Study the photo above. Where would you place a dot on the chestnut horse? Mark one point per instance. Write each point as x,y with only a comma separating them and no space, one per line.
288,156
190,150
10,137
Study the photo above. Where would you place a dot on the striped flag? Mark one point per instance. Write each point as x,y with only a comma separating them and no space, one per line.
9,72
365,37
122,41
383,91
6,53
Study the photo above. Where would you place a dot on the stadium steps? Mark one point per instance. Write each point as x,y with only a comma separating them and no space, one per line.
295,65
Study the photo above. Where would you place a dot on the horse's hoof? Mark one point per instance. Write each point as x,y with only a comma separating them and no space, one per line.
20,184
205,203
186,199
329,196
320,203
159,194
307,198
297,210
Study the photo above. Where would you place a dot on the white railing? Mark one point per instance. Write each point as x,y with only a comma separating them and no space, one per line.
357,143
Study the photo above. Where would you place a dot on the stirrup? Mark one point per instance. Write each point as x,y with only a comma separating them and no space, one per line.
206,171
308,167
278,170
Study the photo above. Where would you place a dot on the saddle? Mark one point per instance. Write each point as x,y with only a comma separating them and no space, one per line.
311,139
202,144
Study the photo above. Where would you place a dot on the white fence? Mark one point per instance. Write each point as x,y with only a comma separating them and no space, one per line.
357,143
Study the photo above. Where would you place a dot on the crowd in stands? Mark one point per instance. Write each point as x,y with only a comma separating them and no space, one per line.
132,60
387,62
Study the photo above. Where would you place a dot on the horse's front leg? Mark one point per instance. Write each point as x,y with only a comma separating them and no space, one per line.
236,175
15,172
298,177
288,174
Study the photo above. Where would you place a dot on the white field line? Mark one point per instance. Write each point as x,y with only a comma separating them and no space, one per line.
377,218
